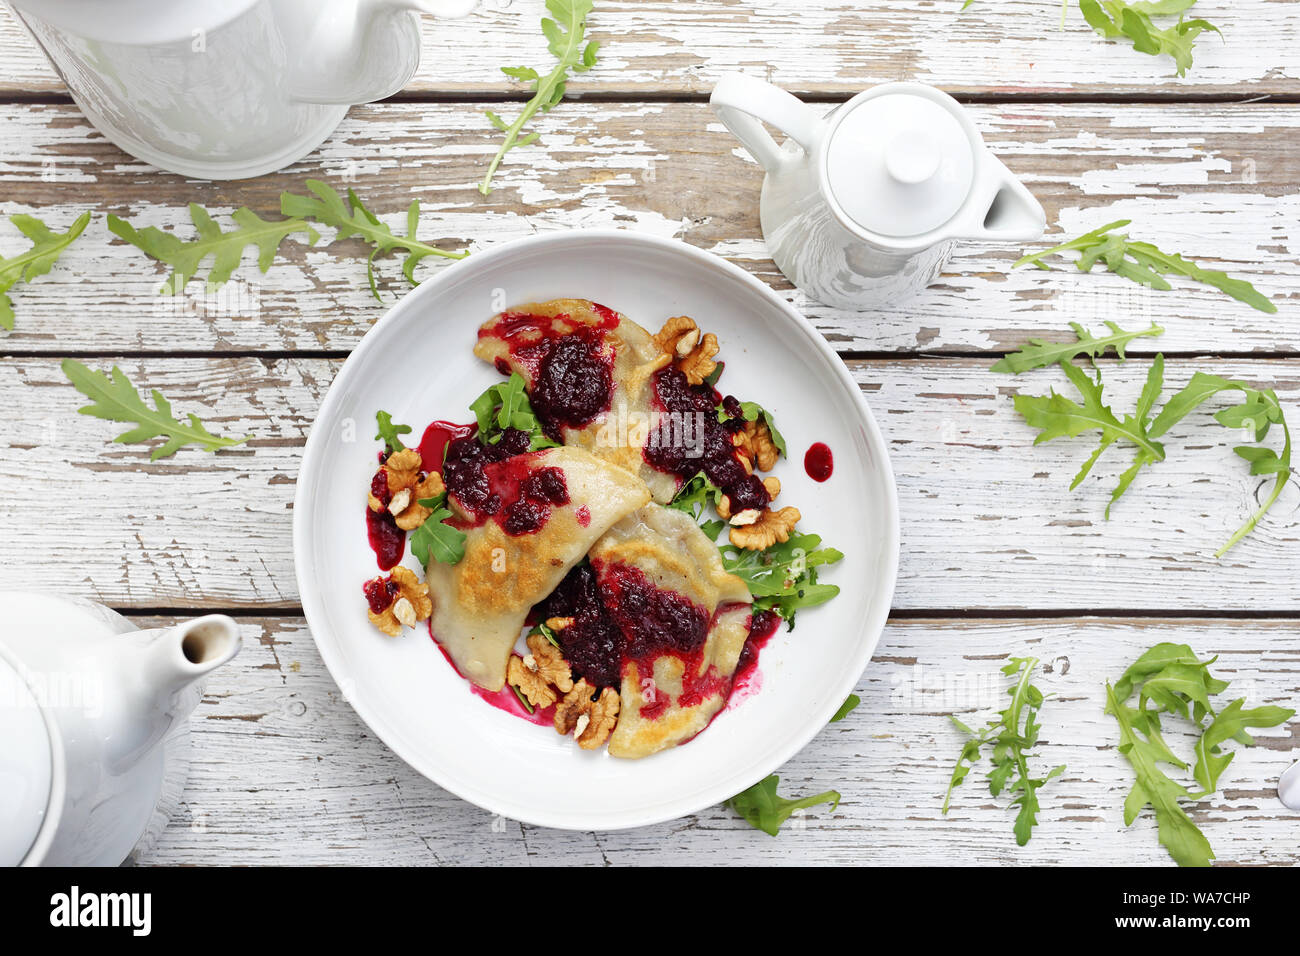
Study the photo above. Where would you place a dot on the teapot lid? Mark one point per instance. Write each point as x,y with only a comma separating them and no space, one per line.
26,766
900,161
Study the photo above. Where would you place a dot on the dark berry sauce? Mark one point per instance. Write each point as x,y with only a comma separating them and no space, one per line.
819,462
619,618
379,487
574,382
711,451
762,626
593,644
380,593
653,621
387,540
571,369
500,482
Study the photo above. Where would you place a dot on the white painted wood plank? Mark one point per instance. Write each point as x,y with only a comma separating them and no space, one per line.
838,46
1217,183
285,773
988,520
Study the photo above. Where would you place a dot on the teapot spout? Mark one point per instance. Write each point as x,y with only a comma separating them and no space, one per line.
1003,207
346,52
181,655
161,676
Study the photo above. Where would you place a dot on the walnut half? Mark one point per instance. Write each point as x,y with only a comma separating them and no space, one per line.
589,720
691,351
754,442
541,673
769,528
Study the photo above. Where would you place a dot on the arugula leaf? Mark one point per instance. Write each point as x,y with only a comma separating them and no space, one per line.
226,248
435,540
1170,679
115,399
505,405
1166,657
388,432
1144,264
694,498
764,809
1230,724
783,578
564,36
1115,18
1177,833
46,248
1055,416
351,218
850,704
1261,409
1040,353
1010,747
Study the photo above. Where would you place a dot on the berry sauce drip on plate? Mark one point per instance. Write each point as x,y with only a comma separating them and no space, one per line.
819,462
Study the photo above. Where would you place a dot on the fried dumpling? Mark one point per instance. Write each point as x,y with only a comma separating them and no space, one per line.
536,516
684,621
588,371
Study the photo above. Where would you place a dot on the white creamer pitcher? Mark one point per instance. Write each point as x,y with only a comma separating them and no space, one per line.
860,207
227,89
94,726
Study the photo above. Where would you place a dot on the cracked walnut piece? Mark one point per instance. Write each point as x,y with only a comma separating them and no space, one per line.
590,721
691,352
405,489
765,531
754,442
540,673
411,604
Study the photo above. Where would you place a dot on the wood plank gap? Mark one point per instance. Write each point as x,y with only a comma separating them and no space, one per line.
904,614
1085,613
19,97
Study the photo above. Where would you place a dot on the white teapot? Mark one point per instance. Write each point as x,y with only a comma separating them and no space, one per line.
94,720
861,207
227,89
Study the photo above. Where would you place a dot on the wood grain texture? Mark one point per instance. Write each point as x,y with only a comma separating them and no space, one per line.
836,47
284,772
1217,183
988,519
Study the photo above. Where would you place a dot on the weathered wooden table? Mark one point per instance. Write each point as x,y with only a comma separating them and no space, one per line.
999,557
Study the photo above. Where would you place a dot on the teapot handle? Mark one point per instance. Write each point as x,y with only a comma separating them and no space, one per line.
744,103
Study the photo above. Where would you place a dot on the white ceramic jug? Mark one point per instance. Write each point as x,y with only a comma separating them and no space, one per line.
94,720
226,89
860,207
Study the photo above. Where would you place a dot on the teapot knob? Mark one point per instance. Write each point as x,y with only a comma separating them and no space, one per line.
912,156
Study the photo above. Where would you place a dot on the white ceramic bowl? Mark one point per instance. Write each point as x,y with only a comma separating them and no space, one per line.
416,363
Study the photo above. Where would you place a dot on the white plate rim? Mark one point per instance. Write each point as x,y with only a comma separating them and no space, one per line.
870,631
